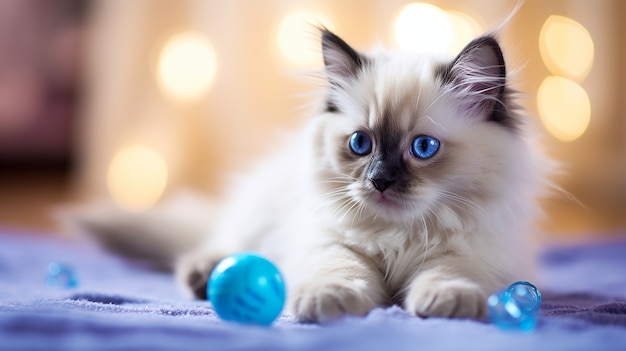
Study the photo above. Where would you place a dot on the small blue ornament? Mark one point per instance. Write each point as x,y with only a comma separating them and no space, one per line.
516,308
61,276
526,295
246,288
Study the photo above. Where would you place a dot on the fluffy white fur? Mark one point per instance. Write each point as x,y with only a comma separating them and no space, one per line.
437,246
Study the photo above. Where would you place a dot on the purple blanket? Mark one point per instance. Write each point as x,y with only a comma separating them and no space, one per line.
119,305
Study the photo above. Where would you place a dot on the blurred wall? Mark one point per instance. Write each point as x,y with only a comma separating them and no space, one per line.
40,90
594,163
40,55
141,140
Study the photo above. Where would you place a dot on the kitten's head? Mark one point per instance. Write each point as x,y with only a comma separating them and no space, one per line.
416,139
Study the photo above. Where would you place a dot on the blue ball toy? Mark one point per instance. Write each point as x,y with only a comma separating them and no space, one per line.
246,288
516,308
61,276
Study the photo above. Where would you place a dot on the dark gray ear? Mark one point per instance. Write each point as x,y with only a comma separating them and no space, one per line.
340,60
478,74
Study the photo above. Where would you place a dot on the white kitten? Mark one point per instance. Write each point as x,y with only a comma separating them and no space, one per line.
416,186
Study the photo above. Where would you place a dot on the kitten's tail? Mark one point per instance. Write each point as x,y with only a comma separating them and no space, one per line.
158,236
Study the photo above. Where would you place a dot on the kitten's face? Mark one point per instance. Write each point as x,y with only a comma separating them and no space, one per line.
407,139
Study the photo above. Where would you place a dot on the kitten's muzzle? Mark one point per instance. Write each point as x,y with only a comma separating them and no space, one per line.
382,174
382,184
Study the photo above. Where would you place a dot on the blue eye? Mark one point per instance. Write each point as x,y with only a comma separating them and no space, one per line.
424,147
360,143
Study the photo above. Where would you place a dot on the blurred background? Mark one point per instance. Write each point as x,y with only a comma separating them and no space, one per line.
133,100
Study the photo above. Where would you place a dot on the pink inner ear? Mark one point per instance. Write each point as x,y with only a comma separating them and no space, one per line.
341,60
479,76
340,65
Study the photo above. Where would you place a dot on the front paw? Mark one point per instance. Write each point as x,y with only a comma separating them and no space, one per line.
452,298
330,299
193,270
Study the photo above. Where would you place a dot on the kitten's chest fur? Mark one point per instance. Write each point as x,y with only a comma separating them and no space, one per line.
398,251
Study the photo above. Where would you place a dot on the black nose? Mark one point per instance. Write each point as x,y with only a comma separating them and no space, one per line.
381,184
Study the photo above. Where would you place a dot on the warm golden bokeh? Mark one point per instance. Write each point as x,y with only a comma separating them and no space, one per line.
137,177
208,85
566,47
427,29
424,28
297,38
465,28
187,66
564,108
567,51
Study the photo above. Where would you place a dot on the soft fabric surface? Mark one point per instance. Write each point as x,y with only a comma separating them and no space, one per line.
120,305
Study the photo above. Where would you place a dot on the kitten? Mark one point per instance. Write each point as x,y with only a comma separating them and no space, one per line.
415,186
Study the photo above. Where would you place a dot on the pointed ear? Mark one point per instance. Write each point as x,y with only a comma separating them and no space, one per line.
340,60
478,75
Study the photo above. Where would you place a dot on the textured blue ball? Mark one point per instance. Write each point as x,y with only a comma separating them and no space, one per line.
516,308
246,288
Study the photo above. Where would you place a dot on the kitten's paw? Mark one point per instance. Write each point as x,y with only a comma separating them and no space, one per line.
447,298
193,270
327,300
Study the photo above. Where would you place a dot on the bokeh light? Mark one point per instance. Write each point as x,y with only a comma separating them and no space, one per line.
426,29
186,67
566,47
564,108
298,39
137,177
465,29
